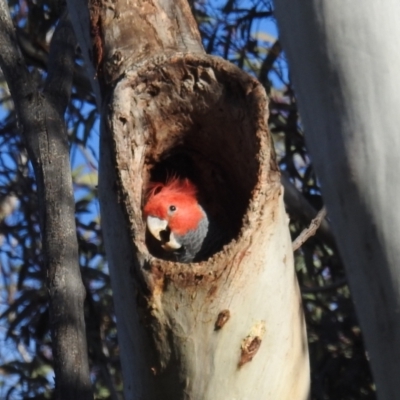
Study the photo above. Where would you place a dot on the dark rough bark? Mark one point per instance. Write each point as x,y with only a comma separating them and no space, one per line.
41,116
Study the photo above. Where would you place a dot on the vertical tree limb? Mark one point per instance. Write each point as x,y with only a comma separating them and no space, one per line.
41,116
345,66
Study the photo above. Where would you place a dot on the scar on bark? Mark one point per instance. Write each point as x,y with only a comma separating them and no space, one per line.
250,347
222,319
251,343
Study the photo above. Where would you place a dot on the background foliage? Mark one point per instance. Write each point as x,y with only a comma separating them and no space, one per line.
244,32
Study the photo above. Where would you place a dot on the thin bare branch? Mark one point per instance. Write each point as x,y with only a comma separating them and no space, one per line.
298,205
319,289
273,53
311,230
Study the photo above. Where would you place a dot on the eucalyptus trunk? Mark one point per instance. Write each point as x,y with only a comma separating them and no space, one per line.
231,327
345,66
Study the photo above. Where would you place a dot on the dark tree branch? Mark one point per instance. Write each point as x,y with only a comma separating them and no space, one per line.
273,53
61,65
30,50
319,289
12,62
37,56
41,116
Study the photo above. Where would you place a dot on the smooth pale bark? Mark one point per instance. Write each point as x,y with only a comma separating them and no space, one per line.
345,65
231,327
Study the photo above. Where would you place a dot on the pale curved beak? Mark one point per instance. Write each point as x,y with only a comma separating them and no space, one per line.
156,225
172,243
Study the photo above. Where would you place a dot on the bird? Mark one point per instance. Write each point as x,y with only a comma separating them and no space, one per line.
180,225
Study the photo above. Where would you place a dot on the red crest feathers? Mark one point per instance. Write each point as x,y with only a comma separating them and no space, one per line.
173,186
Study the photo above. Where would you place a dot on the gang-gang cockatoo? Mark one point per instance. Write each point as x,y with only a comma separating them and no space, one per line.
179,223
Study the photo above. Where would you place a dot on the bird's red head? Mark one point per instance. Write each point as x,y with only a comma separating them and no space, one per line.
174,202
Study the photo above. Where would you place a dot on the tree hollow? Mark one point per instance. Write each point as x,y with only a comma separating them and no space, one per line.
199,117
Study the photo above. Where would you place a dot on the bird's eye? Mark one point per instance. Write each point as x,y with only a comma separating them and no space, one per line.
172,208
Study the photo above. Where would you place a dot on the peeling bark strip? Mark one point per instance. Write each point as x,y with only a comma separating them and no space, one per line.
96,34
200,117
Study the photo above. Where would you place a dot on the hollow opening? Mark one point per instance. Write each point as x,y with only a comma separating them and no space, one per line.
203,123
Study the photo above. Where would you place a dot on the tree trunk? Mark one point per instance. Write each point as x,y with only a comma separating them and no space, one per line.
41,116
345,65
231,327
